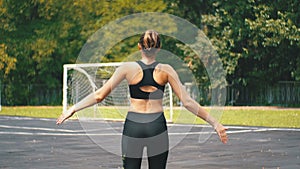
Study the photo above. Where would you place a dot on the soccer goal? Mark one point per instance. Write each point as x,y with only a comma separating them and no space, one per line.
79,80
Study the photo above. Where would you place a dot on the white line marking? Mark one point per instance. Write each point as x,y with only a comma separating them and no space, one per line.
236,127
118,134
38,128
171,125
60,134
24,118
240,129
53,129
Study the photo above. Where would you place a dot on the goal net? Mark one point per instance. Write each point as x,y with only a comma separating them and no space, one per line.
79,80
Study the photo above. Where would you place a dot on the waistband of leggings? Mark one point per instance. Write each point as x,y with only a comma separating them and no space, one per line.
145,117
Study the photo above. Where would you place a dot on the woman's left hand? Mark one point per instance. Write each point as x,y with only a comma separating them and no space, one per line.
221,131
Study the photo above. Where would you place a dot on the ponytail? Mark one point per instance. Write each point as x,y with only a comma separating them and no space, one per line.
150,42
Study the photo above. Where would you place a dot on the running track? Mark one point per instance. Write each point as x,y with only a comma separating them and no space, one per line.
29,143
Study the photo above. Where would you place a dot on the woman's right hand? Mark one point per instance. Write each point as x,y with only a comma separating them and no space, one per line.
64,116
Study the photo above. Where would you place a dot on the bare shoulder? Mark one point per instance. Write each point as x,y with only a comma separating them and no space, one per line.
128,66
128,69
167,68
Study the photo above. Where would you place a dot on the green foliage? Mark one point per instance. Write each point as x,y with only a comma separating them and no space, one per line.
257,41
7,63
254,40
296,74
39,36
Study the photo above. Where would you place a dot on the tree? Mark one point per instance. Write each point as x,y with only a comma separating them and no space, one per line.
254,38
7,63
258,41
38,37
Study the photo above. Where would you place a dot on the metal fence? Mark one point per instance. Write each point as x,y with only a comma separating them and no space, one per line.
279,94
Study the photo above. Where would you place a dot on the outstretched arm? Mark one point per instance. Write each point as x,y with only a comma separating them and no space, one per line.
191,105
95,97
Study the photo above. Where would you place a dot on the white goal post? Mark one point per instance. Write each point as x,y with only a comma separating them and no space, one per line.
79,80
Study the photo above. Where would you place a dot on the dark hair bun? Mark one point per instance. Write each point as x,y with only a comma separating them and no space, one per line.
150,42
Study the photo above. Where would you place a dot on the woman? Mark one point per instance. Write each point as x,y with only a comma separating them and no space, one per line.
145,124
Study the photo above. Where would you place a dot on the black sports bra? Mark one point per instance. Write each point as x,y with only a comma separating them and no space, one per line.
147,80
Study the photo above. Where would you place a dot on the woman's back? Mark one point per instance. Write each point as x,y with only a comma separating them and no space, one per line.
135,75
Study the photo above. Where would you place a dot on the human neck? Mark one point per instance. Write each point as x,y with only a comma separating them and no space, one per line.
148,60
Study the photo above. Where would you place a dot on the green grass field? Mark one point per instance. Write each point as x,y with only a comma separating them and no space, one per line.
242,116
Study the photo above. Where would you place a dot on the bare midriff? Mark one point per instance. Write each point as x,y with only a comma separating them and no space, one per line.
146,106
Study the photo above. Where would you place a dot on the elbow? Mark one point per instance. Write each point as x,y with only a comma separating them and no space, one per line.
191,105
102,93
188,103
99,97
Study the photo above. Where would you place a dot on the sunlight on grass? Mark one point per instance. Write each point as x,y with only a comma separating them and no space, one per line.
243,116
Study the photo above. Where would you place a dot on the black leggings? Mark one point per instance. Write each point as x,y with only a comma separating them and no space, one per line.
145,130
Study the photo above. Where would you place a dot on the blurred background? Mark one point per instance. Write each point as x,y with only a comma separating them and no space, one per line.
258,42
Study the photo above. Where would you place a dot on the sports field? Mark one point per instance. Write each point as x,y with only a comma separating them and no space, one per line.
27,142
239,116
259,138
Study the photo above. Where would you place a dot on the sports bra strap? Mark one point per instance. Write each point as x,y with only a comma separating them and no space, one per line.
147,80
